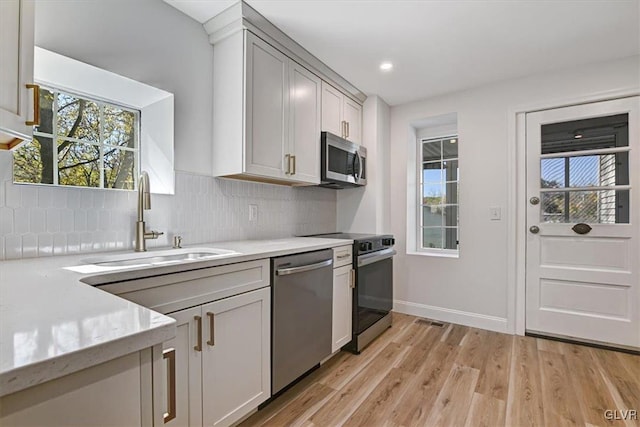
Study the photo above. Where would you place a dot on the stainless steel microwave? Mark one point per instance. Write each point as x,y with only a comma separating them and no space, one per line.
344,164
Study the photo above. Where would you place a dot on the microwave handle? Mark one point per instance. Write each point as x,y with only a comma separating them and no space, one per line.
357,165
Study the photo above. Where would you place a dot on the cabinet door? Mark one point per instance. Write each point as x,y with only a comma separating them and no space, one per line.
16,70
332,101
342,306
187,410
304,124
353,117
266,109
236,356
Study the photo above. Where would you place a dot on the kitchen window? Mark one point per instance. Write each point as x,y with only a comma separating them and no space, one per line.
80,142
438,195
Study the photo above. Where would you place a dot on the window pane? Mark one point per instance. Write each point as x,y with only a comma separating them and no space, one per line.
78,164
450,196
432,237
78,118
119,169
431,150
432,194
587,134
432,172
595,207
451,238
432,216
27,162
119,127
451,170
450,148
585,171
46,112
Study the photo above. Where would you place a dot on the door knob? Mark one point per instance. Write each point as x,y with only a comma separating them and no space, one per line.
534,229
534,200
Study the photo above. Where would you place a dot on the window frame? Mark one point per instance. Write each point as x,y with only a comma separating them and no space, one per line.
101,103
419,197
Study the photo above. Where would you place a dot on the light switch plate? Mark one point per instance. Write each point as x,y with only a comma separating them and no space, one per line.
495,213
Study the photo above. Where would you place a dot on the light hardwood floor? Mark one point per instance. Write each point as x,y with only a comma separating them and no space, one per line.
417,374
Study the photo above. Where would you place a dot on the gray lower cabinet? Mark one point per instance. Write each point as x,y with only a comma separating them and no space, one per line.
218,367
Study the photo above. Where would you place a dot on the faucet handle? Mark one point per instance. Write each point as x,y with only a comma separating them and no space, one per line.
152,234
177,242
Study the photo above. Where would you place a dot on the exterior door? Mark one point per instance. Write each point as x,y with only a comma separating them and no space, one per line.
583,235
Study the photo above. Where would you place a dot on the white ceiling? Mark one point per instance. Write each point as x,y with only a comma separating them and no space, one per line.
443,46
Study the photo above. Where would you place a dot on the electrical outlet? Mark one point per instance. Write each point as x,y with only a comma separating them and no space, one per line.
253,213
495,213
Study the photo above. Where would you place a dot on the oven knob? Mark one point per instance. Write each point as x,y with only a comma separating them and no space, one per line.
389,242
366,246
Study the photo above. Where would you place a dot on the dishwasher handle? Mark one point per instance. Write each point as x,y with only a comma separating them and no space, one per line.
303,268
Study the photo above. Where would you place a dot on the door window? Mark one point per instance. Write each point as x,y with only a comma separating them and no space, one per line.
584,171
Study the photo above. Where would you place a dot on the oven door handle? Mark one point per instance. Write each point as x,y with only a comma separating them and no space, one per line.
375,257
309,267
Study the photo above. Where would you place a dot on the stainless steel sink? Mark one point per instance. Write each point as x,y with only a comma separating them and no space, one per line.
137,259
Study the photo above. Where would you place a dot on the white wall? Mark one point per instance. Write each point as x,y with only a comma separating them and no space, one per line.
474,288
148,41
367,209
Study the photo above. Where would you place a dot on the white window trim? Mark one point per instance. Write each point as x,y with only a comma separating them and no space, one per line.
418,197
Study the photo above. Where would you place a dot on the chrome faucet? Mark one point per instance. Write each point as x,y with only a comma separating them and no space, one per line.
144,202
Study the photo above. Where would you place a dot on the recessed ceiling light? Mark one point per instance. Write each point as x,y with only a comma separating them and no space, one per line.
386,66
453,141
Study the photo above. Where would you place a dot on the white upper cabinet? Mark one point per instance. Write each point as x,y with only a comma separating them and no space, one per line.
304,123
266,123
341,115
267,107
17,110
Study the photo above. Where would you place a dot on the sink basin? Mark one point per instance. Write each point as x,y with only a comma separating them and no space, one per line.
145,259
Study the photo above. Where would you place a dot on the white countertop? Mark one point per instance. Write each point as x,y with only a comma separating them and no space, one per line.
53,324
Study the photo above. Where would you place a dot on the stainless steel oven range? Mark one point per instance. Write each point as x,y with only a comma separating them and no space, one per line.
373,293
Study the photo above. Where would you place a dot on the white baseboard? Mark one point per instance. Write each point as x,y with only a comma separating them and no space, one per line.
475,320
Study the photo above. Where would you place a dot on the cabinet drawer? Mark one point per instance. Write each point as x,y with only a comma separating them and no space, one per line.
342,256
174,292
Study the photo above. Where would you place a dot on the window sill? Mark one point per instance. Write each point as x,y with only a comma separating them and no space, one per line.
437,254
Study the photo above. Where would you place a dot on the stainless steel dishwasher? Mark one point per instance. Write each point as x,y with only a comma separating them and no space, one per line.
302,290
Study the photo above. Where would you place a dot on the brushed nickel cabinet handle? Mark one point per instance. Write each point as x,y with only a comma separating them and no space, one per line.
343,256
347,123
170,356
198,346
293,158
353,279
212,335
287,158
36,106
344,129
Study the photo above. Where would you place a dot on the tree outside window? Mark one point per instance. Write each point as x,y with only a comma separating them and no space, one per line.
80,142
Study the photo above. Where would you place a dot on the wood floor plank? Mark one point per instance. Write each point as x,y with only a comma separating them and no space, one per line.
591,390
631,363
475,349
453,401
378,406
558,396
494,376
486,411
416,404
549,345
455,334
524,402
343,403
305,403
420,349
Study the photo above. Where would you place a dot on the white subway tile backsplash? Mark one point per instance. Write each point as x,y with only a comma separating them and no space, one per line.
29,245
44,221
